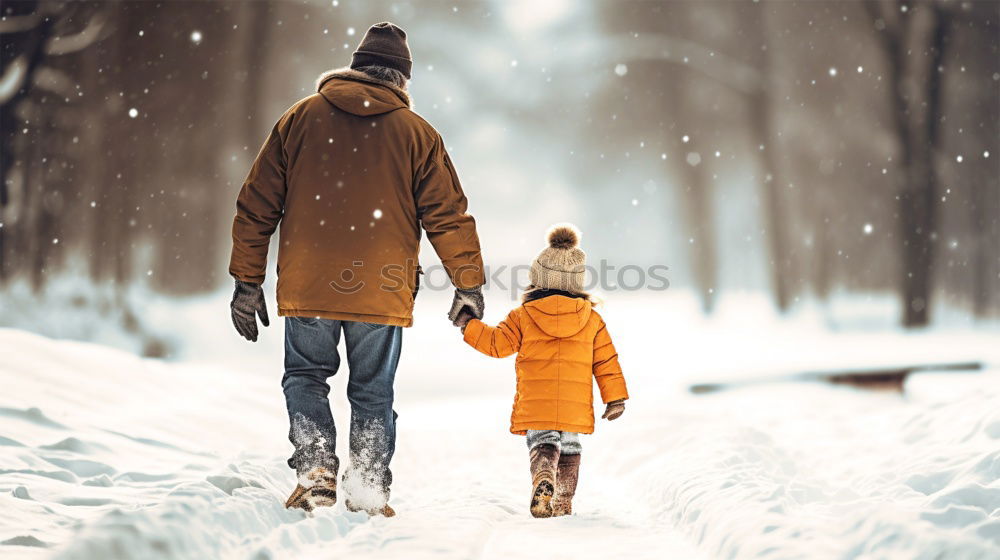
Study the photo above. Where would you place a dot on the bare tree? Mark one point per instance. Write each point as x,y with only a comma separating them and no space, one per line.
696,188
913,38
762,128
39,163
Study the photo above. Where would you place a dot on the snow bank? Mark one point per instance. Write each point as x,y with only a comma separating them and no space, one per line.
818,472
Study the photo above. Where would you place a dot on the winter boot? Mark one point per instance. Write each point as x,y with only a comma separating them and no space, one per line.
366,489
317,487
566,478
544,461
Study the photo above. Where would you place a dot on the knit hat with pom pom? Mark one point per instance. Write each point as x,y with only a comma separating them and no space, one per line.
561,265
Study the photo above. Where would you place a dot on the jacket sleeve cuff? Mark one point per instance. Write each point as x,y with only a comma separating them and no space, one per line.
614,390
473,331
251,278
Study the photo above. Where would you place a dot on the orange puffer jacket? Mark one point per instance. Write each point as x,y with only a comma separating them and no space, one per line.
562,345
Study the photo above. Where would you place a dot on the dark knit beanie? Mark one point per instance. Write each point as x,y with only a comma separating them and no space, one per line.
384,45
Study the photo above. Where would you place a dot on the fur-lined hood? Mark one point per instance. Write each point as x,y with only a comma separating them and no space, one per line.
350,90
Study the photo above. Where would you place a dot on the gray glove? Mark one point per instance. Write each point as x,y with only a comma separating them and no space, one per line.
248,302
471,301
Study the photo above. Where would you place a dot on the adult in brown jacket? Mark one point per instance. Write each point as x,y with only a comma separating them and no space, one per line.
351,175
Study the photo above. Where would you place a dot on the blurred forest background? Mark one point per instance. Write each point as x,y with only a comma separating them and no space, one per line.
807,150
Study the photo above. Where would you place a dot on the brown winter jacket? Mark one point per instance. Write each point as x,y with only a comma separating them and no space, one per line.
562,345
352,175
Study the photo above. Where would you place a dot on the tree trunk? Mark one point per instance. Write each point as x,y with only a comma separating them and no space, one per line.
31,46
918,197
699,213
776,219
916,102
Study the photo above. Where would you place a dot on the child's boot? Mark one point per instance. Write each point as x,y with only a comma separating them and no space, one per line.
566,478
544,463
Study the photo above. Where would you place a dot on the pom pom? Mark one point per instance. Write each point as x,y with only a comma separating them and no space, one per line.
563,236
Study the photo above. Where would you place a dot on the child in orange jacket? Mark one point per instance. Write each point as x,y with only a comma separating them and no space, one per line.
562,345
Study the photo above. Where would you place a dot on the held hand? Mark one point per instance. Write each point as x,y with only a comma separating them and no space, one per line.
614,409
463,319
470,301
248,302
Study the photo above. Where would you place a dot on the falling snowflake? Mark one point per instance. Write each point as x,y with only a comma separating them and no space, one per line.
868,229
832,71
196,36
377,214
350,31
685,138
621,69
693,159
958,159
635,202
133,112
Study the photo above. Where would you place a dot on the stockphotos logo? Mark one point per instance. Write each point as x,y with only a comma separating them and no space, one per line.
605,277
348,282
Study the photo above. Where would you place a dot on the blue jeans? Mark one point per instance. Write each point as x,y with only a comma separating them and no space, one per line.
310,358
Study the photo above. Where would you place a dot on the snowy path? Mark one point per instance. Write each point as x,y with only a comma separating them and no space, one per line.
104,455
126,458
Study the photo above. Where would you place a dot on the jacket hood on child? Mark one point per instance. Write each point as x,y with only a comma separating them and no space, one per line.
559,316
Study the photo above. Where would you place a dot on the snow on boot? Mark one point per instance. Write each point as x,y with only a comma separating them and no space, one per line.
366,489
385,511
544,460
317,487
566,478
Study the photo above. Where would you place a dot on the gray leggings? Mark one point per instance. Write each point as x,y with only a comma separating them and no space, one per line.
567,442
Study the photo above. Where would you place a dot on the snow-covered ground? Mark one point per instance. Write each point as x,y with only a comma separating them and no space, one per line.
106,455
